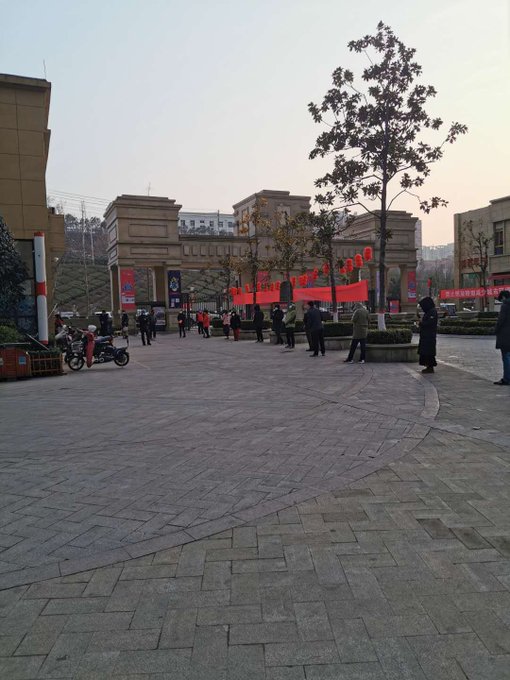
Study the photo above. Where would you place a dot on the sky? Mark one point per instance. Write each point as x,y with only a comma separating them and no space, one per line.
205,101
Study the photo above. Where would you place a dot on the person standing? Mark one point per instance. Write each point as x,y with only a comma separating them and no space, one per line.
289,321
59,323
316,329
103,323
277,324
360,320
235,324
181,322
306,325
258,323
153,319
145,328
206,320
124,325
225,320
200,322
428,333
503,336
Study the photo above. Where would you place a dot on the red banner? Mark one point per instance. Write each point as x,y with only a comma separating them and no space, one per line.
411,286
127,289
355,292
462,293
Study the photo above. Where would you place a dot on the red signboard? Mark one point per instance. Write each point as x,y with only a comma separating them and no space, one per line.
463,293
127,289
355,292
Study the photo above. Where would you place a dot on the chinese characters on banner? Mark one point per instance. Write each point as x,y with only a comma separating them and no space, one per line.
127,289
462,293
411,286
174,289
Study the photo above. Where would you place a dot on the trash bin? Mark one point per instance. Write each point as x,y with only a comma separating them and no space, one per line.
14,363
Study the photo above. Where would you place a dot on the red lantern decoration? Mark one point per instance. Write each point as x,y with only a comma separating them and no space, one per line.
342,270
325,268
293,281
349,265
315,274
368,254
233,291
239,291
259,287
358,261
271,287
277,285
247,287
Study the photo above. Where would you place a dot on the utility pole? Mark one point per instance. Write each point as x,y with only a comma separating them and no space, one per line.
85,268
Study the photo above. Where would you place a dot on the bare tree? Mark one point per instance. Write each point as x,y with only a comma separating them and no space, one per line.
477,245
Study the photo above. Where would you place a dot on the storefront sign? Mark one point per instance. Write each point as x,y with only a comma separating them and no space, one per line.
469,293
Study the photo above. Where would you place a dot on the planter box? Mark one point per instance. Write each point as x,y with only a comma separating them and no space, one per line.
407,353
337,343
467,315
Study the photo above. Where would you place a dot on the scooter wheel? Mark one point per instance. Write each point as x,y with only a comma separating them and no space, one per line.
121,359
76,362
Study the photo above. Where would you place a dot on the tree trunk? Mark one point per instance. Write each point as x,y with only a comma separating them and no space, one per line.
333,288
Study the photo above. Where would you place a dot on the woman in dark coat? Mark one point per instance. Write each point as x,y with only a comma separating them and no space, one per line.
428,333
258,322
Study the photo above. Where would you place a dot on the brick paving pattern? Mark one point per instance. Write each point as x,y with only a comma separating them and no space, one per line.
374,542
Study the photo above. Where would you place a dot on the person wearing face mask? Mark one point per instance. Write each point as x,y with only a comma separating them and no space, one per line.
428,333
289,321
503,336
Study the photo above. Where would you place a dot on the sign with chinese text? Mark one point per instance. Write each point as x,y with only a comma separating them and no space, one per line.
174,290
127,289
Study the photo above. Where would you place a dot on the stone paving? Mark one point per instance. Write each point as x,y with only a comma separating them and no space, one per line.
230,511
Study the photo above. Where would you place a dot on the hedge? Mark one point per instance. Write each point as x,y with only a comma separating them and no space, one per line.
335,329
9,334
468,322
393,336
466,330
488,315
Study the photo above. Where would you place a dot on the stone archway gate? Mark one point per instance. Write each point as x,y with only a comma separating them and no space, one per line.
143,232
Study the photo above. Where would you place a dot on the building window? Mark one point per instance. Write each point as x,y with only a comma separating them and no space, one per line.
192,223
221,225
183,223
202,221
499,237
211,223
230,225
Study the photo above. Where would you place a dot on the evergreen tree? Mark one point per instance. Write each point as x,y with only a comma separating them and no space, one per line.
12,272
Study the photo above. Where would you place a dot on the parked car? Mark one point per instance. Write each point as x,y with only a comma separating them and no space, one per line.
447,309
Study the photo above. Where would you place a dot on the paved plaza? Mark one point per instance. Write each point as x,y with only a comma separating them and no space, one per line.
221,510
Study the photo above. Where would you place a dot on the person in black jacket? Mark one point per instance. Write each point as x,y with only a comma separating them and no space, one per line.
428,333
104,323
503,336
145,327
258,322
314,321
235,324
277,324
306,325
181,322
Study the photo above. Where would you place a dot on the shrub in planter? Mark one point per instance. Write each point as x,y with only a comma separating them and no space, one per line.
216,323
247,324
401,336
336,329
488,315
9,334
460,329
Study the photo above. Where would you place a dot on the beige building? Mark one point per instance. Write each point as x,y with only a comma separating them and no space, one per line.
493,221
24,146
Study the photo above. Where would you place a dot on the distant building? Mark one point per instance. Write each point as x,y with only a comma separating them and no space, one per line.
418,240
206,223
431,253
493,221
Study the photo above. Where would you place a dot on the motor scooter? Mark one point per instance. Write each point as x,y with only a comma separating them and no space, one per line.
96,350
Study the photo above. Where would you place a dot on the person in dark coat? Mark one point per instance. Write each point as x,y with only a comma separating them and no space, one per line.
258,322
181,322
428,333
235,324
503,336
306,325
316,329
277,324
124,325
144,323
153,317
104,320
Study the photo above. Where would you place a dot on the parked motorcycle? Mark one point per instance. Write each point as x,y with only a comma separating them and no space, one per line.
96,350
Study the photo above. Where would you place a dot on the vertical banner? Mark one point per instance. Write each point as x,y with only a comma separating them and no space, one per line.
411,286
174,290
127,289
